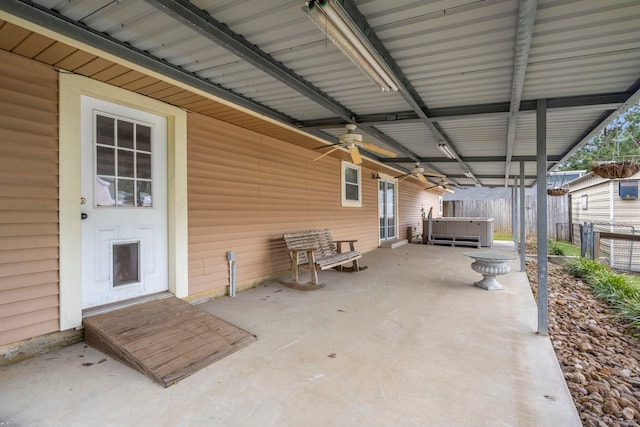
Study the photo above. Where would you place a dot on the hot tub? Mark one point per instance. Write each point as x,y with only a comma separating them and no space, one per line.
460,227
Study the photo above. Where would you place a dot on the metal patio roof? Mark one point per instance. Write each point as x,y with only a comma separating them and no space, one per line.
471,71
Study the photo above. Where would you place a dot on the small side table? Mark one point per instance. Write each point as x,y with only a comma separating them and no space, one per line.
490,264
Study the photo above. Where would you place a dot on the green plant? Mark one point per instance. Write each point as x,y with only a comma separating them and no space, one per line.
630,314
555,248
502,235
619,290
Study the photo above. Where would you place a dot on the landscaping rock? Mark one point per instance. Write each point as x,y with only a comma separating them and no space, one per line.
601,364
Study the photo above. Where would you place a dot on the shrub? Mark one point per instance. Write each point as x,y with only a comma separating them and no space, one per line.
616,289
555,248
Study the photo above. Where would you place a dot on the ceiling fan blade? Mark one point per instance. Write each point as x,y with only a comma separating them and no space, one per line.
402,176
421,178
325,146
437,175
429,188
376,149
327,153
355,155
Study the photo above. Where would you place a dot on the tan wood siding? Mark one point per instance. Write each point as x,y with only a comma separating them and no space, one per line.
412,199
28,199
598,204
245,190
626,211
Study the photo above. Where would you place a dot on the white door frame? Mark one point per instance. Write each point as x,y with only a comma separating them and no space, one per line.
388,178
71,88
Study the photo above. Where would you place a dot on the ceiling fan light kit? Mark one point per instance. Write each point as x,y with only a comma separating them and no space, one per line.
335,23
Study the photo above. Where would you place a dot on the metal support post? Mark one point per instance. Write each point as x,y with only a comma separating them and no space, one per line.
523,244
514,213
541,178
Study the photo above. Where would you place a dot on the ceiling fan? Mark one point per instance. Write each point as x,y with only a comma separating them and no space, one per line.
419,172
443,183
352,141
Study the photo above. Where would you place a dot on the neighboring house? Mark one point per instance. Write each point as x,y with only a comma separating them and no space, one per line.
612,205
192,188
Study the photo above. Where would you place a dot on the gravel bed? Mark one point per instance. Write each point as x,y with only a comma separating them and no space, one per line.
600,363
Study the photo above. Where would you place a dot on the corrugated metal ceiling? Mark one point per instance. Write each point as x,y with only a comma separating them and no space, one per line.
457,58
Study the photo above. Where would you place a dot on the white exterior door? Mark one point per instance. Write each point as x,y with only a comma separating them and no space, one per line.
387,209
124,203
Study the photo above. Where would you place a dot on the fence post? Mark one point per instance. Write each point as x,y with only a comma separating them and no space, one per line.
583,243
592,242
596,246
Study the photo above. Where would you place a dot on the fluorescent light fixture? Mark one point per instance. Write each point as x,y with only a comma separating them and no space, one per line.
447,151
334,22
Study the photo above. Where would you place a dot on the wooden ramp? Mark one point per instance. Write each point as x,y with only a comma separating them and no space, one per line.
166,339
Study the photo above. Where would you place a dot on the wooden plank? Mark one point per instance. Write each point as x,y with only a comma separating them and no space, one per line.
619,236
167,339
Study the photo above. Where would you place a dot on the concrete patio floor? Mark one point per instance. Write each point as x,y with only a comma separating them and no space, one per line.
407,342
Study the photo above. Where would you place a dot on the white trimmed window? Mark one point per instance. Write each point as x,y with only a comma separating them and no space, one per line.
351,185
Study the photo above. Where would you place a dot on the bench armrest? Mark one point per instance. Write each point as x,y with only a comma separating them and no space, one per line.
314,248
339,243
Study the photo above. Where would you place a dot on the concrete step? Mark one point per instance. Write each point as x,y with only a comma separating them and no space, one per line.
395,243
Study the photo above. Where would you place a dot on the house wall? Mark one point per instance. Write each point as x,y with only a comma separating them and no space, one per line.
604,202
606,207
598,208
412,199
626,211
28,199
245,190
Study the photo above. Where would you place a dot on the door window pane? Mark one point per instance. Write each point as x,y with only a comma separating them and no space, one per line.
144,193
106,161
123,174
143,165
143,138
105,191
125,192
104,130
125,164
125,134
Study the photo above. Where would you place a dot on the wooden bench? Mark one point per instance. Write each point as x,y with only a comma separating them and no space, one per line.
315,249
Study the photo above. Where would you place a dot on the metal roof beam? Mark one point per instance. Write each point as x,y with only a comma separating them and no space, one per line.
201,21
469,159
608,101
406,89
67,27
489,176
526,19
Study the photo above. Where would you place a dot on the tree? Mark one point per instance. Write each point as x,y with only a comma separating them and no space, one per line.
620,140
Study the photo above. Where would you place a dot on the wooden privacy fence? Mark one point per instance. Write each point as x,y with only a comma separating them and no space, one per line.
500,211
